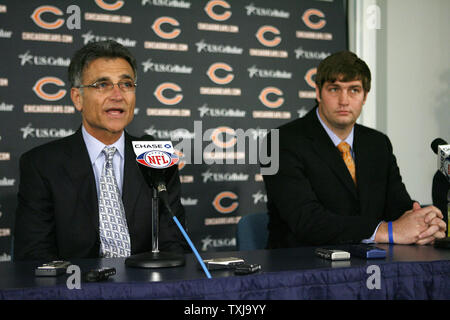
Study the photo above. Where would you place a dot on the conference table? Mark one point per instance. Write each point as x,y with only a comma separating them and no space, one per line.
407,272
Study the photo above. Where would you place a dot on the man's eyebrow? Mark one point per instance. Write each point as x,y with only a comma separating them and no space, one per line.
123,76
101,79
126,76
333,84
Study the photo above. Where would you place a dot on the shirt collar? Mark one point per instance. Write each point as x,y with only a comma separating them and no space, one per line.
95,147
336,140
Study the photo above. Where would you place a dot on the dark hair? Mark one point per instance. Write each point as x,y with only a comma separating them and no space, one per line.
95,50
343,66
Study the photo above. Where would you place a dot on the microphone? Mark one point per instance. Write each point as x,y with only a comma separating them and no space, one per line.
436,143
441,181
442,149
154,157
153,175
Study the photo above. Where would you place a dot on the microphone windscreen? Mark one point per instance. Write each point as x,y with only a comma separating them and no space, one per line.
146,137
436,143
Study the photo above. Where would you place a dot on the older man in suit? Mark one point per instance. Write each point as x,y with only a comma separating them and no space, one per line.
338,182
84,196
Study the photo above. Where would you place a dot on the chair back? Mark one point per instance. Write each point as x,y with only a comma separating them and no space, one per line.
252,232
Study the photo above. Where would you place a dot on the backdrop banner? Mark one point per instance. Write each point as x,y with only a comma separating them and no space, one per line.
213,77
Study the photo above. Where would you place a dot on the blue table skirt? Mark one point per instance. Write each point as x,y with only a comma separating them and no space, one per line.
401,280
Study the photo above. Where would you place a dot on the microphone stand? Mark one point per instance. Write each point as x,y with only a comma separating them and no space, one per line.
448,213
155,258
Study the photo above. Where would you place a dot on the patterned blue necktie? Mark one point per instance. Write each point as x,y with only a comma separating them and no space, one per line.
114,236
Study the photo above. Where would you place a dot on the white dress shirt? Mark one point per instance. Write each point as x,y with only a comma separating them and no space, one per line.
95,148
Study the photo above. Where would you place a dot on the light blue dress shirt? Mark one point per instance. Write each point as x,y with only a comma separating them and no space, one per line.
95,148
336,140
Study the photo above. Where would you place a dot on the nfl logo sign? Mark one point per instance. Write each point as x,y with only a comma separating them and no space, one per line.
157,159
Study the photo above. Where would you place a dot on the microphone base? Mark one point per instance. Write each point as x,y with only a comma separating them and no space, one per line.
152,260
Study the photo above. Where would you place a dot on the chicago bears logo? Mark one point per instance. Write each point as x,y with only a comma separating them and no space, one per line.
159,93
271,104
213,76
157,159
262,39
38,89
166,35
314,25
213,15
110,7
181,163
36,17
217,203
219,142
309,77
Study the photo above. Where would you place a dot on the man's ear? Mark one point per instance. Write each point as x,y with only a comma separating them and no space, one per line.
77,98
317,94
366,93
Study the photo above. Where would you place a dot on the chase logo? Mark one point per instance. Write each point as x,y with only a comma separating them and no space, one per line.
157,159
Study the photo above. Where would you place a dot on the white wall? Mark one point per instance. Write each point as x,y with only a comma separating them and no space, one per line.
412,84
417,81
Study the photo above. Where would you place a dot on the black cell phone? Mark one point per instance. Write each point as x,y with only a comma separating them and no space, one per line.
52,269
100,274
245,268
223,263
332,254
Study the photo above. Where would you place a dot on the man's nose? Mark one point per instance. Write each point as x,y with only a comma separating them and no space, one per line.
343,97
116,92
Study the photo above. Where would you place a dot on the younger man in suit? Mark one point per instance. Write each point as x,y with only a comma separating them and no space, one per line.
84,196
338,182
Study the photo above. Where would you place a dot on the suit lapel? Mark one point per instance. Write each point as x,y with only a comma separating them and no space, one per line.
79,168
328,152
364,167
80,171
132,179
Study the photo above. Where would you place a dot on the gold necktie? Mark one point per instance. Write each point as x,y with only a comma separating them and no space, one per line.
344,148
